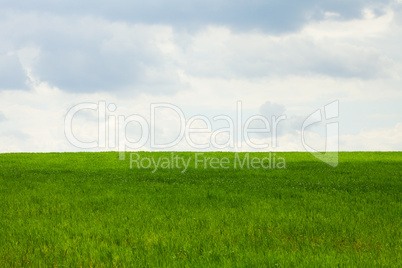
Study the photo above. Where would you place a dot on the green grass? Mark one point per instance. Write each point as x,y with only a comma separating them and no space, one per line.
90,209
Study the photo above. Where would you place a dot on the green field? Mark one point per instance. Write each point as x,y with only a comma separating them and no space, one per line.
90,209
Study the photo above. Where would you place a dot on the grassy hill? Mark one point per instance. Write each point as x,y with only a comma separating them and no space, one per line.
90,209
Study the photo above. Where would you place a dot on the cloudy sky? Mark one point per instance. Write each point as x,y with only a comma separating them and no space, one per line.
206,58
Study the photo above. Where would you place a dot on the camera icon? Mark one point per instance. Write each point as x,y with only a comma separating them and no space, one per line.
328,112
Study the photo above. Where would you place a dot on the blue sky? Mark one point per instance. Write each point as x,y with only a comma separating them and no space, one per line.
287,57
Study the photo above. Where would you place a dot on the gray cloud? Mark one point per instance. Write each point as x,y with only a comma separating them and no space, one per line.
90,70
265,56
95,47
269,109
2,117
272,16
289,125
91,55
12,75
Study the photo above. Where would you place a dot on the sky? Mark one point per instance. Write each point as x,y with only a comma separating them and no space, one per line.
140,67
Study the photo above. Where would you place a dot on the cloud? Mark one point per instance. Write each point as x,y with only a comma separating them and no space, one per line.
89,55
277,115
381,139
2,117
16,135
84,53
12,75
219,52
36,124
269,16
269,109
203,56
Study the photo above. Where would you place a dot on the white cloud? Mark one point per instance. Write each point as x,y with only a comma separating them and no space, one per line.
384,139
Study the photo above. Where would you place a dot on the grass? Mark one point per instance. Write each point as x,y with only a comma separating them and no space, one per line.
90,209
